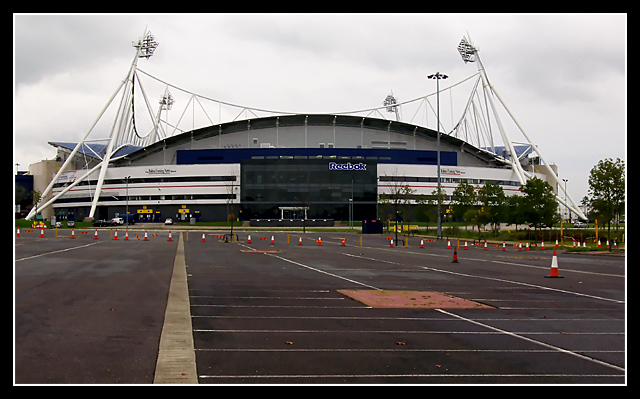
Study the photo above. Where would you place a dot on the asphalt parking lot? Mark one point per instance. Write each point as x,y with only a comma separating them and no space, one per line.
93,311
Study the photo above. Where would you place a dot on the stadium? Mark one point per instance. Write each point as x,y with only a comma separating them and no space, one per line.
329,164
316,168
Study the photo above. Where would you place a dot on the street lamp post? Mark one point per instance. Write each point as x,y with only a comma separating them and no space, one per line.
565,198
126,206
437,76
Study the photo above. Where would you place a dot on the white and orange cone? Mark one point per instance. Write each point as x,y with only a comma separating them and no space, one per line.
554,267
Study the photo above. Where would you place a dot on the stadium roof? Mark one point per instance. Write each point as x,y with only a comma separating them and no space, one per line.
310,120
96,150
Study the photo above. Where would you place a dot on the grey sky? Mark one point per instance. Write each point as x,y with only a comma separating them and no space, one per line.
563,76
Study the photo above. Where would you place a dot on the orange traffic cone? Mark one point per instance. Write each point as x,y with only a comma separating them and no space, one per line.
115,237
448,244
18,233
126,235
504,248
272,239
300,241
520,246
542,247
202,236
145,236
169,236
319,240
421,243
42,235
465,244
554,267
73,234
95,235
343,240
249,239
528,246
485,246
455,256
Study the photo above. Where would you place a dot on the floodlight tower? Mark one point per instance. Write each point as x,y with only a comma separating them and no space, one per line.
391,103
166,103
469,53
144,49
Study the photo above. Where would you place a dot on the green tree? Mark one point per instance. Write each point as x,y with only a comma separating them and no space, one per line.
515,210
464,198
493,201
538,205
398,196
607,190
473,216
438,195
424,209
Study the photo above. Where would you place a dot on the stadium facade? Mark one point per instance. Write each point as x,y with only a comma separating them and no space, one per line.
282,167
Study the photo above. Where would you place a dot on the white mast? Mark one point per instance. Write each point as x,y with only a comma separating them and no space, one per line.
144,49
469,53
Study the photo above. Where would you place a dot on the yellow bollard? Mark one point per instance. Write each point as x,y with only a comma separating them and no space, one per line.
187,235
360,240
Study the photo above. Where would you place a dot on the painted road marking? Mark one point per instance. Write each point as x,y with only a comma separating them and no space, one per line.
517,335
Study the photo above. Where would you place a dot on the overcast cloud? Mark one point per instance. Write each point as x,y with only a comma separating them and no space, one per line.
562,76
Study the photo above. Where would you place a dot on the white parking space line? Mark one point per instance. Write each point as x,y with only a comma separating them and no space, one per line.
517,335
60,250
